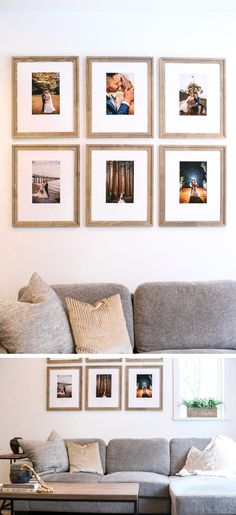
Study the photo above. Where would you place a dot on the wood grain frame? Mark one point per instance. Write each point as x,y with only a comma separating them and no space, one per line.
157,367
89,193
80,372
162,187
15,193
101,368
52,134
162,98
89,78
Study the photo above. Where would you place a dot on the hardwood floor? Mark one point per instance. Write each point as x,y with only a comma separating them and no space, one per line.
185,193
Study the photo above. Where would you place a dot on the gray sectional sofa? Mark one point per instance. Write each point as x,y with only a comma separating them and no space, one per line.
169,316
153,463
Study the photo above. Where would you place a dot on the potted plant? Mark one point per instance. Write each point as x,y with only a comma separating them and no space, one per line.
199,407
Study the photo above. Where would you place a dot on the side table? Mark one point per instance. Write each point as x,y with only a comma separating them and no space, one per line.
12,458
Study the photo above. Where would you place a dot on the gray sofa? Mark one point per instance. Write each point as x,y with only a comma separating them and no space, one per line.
169,316
152,463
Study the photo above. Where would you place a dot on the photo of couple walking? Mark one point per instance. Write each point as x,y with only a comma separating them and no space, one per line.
119,93
45,93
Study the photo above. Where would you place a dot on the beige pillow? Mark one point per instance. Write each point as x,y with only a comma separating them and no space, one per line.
99,328
37,323
199,461
84,458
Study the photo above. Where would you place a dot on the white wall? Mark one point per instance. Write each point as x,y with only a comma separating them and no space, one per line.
23,411
126,255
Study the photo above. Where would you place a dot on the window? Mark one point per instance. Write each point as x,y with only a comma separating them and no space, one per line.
204,377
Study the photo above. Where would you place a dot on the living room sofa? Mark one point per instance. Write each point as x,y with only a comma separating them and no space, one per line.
168,316
153,463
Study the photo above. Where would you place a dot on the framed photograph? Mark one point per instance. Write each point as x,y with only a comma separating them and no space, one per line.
45,97
119,185
192,186
103,388
119,98
105,360
144,387
45,185
192,98
62,361
64,388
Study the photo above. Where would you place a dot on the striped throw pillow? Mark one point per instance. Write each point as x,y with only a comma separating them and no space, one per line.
99,328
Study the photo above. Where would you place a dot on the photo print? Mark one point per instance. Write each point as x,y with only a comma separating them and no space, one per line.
103,385
193,182
120,182
119,93
46,182
45,93
193,95
144,386
64,386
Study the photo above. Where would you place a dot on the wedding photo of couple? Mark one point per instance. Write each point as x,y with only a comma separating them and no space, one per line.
46,182
45,93
192,95
119,93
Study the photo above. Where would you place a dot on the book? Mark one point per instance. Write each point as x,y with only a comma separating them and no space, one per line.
19,487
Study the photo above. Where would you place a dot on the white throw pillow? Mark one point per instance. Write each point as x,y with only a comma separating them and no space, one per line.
199,461
225,453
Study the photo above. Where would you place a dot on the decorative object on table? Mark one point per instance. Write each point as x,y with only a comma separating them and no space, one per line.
120,97
43,487
119,185
15,445
64,388
144,387
103,388
18,475
45,97
192,186
45,185
192,98
200,407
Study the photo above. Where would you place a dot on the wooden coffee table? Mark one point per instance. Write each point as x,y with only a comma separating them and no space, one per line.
78,492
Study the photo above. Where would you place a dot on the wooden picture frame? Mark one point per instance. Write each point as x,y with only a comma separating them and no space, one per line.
64,388
51,361
192,98
144,387
120,86
45,97
192,186
119,185
103,388
45,186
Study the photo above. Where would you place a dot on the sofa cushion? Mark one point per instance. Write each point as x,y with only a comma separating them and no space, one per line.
205,495
225,449
47,456
180,315
86,441
84,458
68,477
150,483
37,323
144,455
179,448
100,327
92,292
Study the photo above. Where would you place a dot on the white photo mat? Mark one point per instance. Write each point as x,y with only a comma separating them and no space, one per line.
64,374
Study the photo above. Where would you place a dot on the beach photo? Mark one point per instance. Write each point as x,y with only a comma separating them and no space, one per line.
46,182
144,386
64,386
120,182
192,94
103,385
119,93
193,182
45,93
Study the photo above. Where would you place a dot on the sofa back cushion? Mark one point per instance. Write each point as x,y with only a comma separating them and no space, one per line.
179,448
180,315
144,455
86,441
93,292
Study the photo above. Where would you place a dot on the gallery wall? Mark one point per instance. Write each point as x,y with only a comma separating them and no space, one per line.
23,410
126,255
